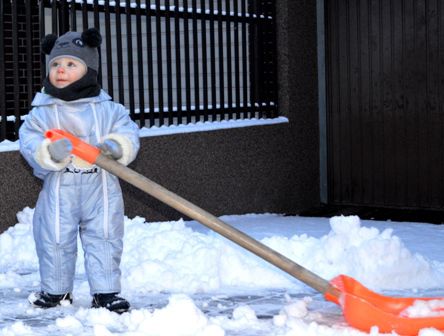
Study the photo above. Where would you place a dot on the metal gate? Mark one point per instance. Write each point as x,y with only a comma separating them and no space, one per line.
384,66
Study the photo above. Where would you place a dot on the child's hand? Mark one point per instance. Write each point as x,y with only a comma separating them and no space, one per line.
60,149
111,148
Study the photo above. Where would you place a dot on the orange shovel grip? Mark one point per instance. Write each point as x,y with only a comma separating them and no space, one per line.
80,148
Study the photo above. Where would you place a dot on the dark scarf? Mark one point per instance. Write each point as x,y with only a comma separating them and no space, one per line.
85,87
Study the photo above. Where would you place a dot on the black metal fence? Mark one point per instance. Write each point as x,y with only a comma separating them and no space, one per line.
169,62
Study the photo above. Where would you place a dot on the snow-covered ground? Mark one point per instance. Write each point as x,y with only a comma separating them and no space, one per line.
183,279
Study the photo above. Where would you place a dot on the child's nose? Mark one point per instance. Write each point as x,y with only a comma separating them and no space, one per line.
60,69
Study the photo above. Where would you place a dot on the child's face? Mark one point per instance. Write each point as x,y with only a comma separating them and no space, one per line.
65,70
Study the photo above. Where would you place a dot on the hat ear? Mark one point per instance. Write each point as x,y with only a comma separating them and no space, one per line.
92,37
48,43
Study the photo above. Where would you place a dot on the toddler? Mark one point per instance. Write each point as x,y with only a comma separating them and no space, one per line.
76,197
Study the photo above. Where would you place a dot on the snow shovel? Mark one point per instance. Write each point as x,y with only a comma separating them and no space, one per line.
362,308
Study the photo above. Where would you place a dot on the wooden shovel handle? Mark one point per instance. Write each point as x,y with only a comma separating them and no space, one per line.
192,211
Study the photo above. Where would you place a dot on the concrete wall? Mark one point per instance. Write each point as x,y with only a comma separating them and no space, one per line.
257,169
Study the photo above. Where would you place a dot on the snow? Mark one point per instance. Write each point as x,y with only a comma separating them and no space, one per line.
183,279
200,126
423,308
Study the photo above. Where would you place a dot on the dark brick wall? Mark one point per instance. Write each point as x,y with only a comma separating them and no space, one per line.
234,171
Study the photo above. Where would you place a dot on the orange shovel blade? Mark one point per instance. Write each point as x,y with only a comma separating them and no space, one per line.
364,309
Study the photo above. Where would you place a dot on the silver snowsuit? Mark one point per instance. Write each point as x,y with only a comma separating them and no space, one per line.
78,198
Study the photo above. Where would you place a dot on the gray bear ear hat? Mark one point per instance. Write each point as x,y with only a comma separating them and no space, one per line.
82,46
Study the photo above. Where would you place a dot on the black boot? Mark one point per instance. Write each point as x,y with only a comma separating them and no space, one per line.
111,302
46,300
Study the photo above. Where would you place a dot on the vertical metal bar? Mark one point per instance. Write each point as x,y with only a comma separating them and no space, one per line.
245,66
159,47
15,68
405,101
168,63
417,45
253,43
322,109
358,57
119,55
379,134
273,65
54,18
140,65
109,53
396,12
213,62
97,26
236,60
129,43
84,15
42,33
149,46
204,60
96,14
254,62
258,70
196,61
260,78
3,116
370,49
220,45
335,95
61,14
334,87
73,16
229,60
345,113
29,54
425,103
440,63
178,61
187,62
267,59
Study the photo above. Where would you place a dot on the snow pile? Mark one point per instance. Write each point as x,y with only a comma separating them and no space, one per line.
293,310
378,259
17,248
184,261
424,308
170,256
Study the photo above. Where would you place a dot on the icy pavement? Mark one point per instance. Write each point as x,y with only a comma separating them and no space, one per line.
182,279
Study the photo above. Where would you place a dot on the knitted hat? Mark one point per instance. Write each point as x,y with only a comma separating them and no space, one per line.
82,46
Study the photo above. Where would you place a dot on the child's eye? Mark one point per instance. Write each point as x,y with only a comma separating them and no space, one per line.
54,64
72,64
